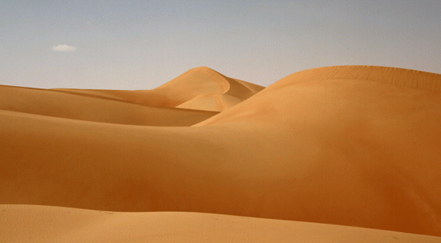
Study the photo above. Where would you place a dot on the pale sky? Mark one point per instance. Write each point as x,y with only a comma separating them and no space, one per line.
127,44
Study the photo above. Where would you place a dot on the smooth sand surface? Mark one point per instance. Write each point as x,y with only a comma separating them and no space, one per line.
351,145
23,223
92,108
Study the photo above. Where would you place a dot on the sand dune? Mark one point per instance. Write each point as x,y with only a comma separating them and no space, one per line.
200,88
93,108
55,224
351,145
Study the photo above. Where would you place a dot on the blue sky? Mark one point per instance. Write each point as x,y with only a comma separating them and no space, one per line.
143,44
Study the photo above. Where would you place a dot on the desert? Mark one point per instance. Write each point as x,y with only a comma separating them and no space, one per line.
330,154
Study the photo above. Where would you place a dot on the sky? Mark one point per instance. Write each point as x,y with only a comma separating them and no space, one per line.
141,44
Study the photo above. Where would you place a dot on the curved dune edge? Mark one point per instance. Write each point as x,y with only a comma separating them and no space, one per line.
389,75
344,76
185,91
29,223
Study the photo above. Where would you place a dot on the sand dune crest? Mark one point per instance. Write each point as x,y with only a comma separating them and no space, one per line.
200,88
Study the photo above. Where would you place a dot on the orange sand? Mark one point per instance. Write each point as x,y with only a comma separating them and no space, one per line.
351,145
20,223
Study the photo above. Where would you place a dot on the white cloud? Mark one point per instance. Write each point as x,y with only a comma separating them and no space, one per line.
64,48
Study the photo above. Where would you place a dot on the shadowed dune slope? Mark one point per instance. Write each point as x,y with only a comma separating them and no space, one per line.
92,108
200,88
357,146
55,224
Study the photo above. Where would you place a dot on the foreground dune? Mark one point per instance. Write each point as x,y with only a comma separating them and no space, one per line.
55,224
355,145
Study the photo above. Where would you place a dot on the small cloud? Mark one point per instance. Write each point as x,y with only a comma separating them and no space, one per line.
64,48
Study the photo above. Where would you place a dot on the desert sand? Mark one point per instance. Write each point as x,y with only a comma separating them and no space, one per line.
333,154
24,223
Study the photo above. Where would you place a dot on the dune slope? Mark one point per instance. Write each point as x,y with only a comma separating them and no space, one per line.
92,108
357,146
55,224
199,88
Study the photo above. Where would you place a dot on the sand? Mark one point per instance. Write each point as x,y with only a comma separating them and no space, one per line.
322,155
54,103
23,223
200,88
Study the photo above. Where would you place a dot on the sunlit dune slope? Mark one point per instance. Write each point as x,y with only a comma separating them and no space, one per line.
91,108
368,136
349,76
20,223
200,88
356,146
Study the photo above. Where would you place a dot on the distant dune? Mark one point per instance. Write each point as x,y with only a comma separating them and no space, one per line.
358,146
200,88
